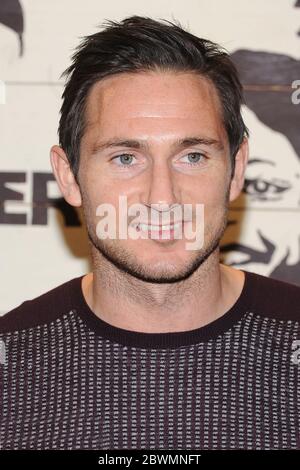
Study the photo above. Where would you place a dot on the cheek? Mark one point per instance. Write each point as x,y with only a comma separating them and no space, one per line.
96,187
94,194
213,193
101,199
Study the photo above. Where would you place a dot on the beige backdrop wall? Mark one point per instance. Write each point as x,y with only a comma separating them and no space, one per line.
42,241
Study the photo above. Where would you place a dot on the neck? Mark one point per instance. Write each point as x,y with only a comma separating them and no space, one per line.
129,303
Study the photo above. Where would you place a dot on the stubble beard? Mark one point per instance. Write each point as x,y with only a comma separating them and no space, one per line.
127,263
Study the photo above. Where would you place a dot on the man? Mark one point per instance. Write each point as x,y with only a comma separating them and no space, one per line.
161,346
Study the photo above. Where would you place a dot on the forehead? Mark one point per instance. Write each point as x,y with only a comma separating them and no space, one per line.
160,102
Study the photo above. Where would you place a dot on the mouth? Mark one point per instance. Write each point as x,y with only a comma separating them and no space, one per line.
172,226
161,232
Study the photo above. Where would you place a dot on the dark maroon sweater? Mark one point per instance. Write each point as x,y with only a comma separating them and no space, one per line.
69,380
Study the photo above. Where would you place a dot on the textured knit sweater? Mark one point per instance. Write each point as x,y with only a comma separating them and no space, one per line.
70,380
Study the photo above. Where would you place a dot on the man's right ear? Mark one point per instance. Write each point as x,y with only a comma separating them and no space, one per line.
65,176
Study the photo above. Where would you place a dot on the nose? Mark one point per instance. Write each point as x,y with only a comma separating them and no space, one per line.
160,190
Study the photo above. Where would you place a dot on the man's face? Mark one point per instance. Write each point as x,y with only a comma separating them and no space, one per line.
157,110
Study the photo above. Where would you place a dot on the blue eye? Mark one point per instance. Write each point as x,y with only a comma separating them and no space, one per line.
125,159
194,161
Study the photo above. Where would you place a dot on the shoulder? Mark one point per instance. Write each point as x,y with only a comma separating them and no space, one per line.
273,298
42,309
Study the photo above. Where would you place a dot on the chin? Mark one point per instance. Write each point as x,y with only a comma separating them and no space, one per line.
160,276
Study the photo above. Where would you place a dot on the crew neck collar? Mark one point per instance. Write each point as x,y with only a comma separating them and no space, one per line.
163,340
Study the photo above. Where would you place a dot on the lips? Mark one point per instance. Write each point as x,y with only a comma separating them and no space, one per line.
159,228
161,233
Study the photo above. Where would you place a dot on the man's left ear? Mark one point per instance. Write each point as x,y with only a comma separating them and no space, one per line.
241,160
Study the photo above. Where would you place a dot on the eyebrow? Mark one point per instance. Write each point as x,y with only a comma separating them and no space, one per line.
142,144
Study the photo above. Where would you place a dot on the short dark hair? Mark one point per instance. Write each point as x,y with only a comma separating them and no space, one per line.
138,44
